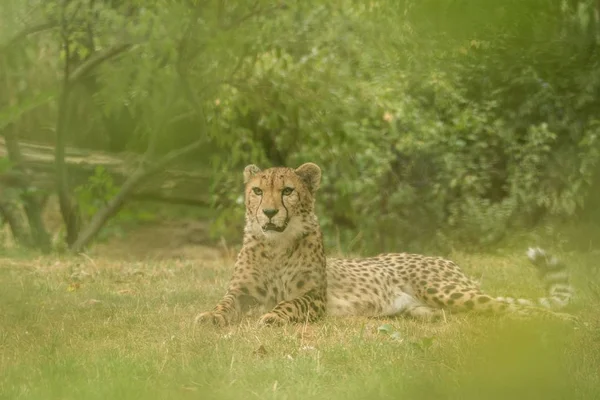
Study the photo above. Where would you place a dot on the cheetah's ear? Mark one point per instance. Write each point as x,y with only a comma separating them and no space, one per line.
311,175
250,171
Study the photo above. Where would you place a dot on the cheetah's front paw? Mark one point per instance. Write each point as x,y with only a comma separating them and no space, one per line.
271,319
210,317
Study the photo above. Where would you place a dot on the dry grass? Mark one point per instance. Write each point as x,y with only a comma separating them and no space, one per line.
101,328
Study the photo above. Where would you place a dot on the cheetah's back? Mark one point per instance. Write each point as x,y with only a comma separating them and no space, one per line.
421,286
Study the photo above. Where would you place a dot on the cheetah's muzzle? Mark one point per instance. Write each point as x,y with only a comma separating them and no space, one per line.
269,226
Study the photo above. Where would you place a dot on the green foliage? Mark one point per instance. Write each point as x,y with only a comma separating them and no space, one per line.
94,195
433,121
454,133
5,164
13,113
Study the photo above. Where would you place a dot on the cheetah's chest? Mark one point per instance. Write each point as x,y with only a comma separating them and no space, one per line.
280,276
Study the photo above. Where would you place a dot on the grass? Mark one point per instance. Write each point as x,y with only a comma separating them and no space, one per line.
95,328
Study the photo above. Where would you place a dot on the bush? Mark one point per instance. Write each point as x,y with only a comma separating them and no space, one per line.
424,136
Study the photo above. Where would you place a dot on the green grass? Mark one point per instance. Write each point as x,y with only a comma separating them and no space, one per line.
100,329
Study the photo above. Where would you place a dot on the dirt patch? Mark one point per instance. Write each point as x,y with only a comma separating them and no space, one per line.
163,238
173,239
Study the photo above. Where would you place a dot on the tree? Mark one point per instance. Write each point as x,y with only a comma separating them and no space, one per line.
158,53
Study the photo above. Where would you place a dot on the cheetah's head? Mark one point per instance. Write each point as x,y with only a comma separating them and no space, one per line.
280,200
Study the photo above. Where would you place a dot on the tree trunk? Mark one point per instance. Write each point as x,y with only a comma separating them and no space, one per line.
10,213
67,209
39,234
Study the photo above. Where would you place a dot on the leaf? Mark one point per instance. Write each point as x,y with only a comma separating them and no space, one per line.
385,328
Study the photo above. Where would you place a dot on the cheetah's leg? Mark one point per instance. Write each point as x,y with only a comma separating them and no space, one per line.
241,293
230,307
425,313
308,307
407,304
224,313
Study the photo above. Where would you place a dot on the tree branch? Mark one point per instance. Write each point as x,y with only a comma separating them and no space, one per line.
111,208
174,155
95,60
116,203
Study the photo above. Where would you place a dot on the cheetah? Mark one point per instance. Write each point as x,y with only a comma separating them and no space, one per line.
282,267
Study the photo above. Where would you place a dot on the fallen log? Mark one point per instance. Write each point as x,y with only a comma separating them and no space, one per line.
181,185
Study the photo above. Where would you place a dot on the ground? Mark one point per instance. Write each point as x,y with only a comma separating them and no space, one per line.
107,326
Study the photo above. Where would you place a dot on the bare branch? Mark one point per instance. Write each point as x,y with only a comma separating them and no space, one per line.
111,208
174,155
114,205
96,59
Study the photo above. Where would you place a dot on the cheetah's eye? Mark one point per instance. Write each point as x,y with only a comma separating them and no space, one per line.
287,191
257,191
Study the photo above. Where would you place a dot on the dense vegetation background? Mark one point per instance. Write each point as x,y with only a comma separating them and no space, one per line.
434,121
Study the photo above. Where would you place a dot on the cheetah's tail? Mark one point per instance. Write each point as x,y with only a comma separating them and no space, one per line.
555,276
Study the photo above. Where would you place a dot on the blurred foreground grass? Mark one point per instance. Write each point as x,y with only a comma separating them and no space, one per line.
103,329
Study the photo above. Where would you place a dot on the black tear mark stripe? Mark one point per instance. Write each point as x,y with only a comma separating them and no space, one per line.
282,202
258,209
284,207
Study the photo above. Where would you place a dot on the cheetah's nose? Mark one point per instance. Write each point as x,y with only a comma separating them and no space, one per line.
270,212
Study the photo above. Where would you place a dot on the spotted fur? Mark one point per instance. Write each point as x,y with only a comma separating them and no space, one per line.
282,266
422,287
